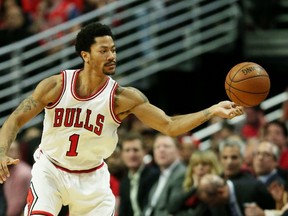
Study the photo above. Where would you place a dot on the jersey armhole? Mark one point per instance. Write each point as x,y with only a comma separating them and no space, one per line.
112,101
51,105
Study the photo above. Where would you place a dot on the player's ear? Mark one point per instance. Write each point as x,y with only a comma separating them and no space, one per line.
85,56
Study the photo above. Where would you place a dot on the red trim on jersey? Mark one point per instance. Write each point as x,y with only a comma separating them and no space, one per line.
78,171
38,212
112,101
90,97
64,78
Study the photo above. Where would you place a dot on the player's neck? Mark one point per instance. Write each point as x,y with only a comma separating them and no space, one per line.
89,83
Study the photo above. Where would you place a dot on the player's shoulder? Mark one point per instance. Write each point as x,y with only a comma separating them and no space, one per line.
131,93
52,84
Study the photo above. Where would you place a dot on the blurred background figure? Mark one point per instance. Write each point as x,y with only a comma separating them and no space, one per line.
254,122
277,133
17,185
185,202
139,178
187,145
14,26
284,117
172,172
265,163
278,190
229,197
29,142
116,168
249,153
231,152
216,138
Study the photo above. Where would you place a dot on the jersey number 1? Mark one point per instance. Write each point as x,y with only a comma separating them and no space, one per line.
73,145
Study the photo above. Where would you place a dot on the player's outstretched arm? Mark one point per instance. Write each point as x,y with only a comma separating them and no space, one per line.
134,102
46,92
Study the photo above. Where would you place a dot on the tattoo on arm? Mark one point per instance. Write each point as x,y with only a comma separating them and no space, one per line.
206,114
26,105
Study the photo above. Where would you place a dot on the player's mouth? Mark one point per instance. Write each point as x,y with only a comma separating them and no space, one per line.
110,64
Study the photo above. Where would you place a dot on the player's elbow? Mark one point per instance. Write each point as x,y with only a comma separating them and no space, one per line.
169,131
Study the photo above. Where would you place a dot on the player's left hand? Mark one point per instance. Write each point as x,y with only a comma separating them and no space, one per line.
5,161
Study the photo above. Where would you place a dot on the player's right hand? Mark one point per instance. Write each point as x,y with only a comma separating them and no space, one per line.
5,161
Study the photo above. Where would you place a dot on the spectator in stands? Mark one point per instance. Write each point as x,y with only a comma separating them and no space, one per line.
254,122
265,163
172,174
56,12
14,26
136,184
17,186
278,190
6,4
29,142
187,145
276,132
284,108
229,197
249,152
184,202
117,170
231,156
51,13
94,5
217,137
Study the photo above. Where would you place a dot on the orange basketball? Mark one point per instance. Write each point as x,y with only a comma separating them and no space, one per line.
247,84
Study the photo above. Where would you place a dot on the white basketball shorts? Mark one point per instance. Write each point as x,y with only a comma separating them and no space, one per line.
86,194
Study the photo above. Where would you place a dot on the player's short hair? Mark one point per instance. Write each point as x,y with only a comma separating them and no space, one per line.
86,37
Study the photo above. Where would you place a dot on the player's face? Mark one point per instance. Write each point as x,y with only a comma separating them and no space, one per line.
103,55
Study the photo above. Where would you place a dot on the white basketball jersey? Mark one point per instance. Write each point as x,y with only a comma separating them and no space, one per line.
80,132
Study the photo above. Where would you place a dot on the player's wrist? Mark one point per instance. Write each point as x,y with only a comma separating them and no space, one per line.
209,113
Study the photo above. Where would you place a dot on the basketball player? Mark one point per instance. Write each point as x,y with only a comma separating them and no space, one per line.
83,109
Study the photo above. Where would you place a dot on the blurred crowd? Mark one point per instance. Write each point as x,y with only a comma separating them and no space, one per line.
154,174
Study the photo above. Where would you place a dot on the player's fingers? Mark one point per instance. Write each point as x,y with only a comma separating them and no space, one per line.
4,172
238,111
13,161
232,115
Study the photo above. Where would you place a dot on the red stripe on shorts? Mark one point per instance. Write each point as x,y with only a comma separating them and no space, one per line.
37,212
78,171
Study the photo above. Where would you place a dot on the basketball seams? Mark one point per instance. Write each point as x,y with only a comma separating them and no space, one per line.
249,92
232,79
241,101
247,78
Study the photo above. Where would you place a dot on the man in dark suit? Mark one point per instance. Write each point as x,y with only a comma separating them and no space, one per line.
265,163
166,156
136,184
228,198
231,152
